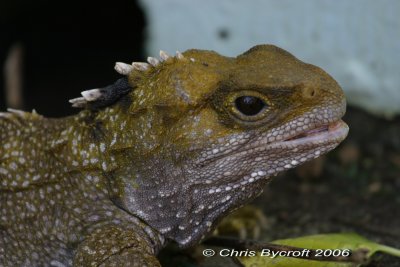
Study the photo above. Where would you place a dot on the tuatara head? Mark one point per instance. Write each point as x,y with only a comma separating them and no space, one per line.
200,134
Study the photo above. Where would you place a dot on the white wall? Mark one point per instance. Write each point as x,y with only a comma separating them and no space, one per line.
356,41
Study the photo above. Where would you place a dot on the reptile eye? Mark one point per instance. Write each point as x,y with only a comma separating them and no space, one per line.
249,105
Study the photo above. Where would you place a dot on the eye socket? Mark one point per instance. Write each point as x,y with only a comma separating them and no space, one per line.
249,105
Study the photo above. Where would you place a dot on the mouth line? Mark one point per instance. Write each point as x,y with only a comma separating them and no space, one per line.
320,135
334,131
310,132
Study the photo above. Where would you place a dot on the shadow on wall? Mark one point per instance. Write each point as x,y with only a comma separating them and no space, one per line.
68,47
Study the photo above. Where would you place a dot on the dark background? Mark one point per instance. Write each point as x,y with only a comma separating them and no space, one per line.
68,46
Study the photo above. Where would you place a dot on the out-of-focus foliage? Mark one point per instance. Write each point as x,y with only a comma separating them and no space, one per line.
328,244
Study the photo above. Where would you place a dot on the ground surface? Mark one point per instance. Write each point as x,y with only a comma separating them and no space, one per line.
353,189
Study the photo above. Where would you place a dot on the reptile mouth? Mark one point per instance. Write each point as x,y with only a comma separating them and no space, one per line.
322,135
335,131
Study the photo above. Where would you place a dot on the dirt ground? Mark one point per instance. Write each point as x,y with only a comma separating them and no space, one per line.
353,189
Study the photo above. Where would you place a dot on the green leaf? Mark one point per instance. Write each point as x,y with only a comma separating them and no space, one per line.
327,243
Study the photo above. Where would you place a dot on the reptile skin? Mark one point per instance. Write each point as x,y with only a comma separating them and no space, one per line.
196,136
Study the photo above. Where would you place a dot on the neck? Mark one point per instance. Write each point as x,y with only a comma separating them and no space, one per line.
92,149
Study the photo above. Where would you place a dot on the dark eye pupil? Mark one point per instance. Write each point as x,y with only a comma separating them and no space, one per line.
249,105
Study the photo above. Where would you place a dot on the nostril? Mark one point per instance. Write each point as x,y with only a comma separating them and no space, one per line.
309,92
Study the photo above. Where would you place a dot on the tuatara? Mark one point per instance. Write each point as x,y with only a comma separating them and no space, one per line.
161,155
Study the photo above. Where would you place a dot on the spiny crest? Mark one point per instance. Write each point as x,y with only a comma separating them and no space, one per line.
126,69
17,116
101,97
21,113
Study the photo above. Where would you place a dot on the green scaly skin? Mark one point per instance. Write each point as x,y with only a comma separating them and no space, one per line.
165,162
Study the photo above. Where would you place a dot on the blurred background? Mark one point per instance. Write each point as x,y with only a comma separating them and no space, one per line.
50,51
60,49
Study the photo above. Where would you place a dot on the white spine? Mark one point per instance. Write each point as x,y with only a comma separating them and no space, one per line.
164,56
153,61
123,68
140,66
